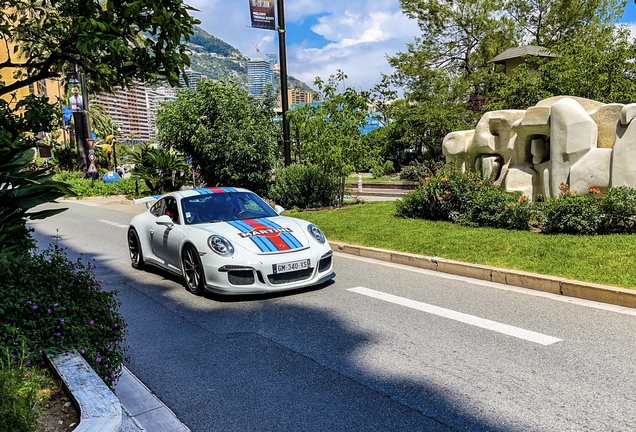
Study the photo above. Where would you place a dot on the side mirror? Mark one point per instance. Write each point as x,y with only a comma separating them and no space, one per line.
279,210
165,221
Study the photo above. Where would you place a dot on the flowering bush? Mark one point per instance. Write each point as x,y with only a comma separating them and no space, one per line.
50,304
572,214
416,171
494,207
619,210
445,196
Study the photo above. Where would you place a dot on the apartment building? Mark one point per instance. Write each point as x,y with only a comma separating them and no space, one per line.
259,76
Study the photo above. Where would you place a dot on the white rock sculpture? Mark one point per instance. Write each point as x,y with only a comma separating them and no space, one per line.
571,140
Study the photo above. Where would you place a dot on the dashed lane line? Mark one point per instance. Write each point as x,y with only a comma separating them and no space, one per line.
118,225
517,332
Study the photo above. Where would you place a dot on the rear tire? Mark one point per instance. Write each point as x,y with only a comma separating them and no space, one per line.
134,248
192,270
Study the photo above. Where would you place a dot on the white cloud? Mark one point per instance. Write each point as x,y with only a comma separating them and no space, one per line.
359,34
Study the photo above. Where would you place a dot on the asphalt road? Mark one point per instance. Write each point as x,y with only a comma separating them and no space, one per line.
382,348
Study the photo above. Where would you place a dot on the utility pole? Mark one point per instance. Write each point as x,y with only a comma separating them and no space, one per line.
282,52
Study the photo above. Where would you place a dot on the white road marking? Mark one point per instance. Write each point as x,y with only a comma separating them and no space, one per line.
572,300
459,316
118,225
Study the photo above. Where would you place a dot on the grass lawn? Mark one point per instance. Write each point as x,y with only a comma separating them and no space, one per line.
609,260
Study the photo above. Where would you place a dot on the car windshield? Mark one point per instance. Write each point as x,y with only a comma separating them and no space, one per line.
221,207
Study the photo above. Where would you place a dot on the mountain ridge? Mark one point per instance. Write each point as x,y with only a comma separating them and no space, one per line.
218,60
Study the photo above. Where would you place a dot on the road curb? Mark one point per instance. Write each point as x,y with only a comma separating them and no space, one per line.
552,284
100,410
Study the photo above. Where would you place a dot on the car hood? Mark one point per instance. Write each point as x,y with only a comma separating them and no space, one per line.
262,235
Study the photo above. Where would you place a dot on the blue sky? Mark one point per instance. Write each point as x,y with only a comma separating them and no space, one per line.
323,36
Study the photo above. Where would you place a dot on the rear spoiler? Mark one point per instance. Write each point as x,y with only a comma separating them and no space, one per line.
146,200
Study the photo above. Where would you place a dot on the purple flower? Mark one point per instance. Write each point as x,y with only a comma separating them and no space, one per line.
98,359
28,302
81,351
62,321
35,307
58,334
42,363
28,361
61,345
54,304
48,310
92,322
115,325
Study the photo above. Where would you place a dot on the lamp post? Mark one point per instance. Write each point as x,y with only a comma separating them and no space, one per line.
283,81
114,127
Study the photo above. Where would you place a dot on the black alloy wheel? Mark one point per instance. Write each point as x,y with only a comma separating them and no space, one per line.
134,248
192,270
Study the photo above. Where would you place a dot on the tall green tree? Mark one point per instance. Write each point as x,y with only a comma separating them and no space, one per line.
330,133
230,135
598,64
46,38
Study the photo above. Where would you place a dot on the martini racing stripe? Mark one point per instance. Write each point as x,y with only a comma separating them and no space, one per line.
271,241
289,238
213,190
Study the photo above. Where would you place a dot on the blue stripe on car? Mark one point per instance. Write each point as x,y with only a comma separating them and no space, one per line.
291,241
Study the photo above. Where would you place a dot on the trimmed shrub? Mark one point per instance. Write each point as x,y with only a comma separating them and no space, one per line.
571,214
493,207
303,186
445,196
618,206
50,304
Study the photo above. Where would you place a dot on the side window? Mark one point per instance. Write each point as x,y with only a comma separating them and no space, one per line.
171,209
156,208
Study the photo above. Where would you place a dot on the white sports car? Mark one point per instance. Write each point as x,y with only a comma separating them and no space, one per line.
229,241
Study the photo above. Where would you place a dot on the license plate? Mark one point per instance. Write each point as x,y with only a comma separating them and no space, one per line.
291,266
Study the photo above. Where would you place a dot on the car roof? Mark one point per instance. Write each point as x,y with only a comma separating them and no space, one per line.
207,191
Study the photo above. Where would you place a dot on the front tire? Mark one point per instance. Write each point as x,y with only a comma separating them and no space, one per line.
134,249
192,270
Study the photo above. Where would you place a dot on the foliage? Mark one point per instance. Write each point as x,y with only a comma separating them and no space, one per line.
52,304
212,44
494,207
571,214
381,170
22,187
445,196
330,132
160,169
618,207
82,188
417,171
229,135
21,400
302,186
598,64
103,39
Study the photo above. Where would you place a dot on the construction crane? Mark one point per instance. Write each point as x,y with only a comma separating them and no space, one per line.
258,51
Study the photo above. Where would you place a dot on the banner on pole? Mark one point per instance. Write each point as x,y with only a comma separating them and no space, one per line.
262,14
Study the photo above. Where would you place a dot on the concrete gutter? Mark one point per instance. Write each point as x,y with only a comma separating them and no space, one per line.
552,284
100,410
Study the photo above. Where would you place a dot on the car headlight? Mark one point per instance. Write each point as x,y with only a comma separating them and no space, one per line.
316,233
220,245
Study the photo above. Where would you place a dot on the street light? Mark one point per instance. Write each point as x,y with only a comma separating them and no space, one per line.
114,127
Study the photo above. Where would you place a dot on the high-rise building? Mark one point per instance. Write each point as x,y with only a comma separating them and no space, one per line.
259,76
193,77
133,110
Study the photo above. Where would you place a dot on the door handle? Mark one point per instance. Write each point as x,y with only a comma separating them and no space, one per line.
152,231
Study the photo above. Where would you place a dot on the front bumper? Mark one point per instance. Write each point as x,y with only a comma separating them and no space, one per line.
228,277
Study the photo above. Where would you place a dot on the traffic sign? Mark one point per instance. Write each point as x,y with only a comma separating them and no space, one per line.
92,168
90,143
91,157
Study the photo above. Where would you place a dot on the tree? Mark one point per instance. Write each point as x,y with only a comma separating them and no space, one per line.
330,132
230,135
598,64
44,39
546,22
160,169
